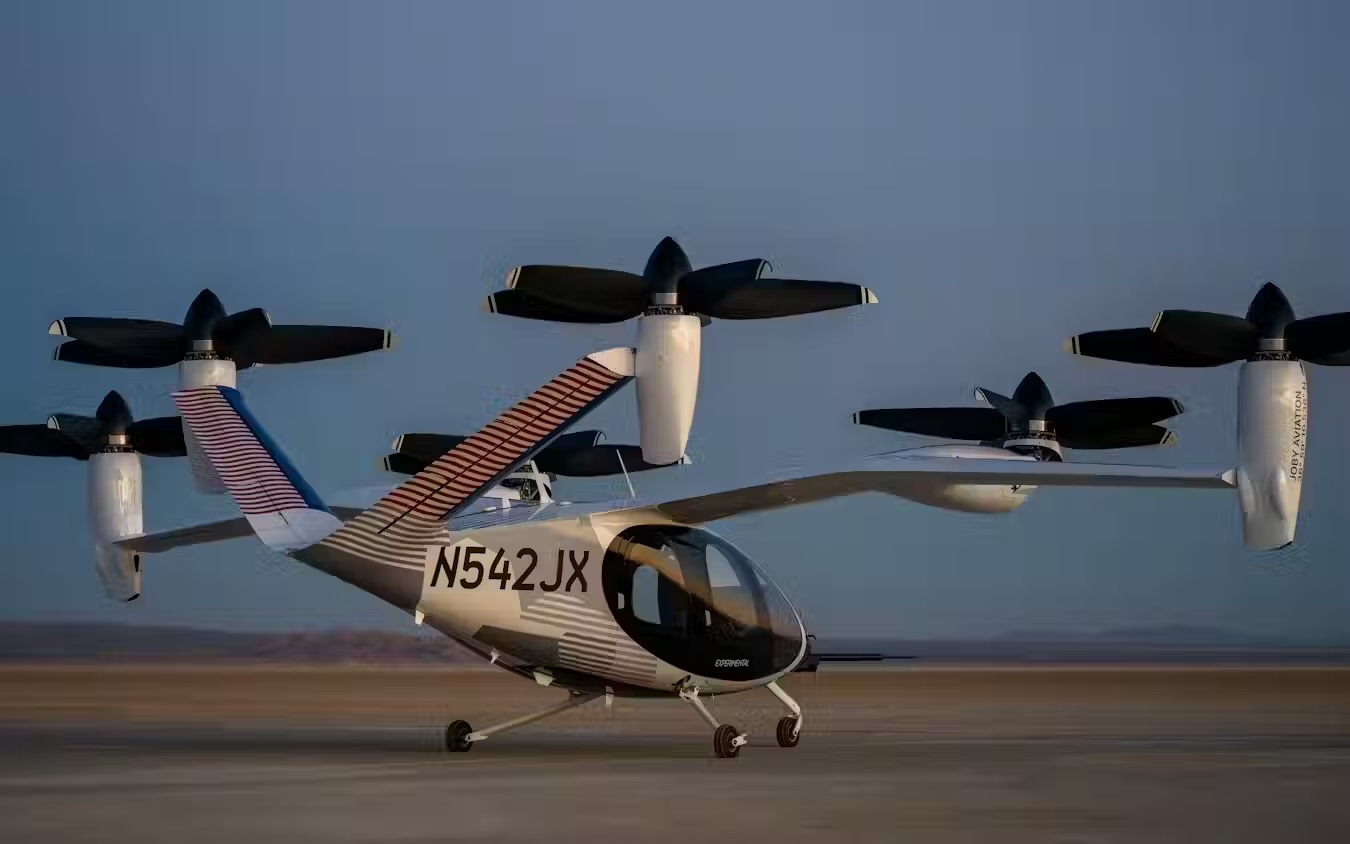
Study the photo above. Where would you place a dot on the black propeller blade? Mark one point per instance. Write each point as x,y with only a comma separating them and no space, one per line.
1321,337
39,441
1104,423
577,455
71,435
1136,345
726,291
1145,435
957,423
517,304
246,337
1181,338
1107,414
596,461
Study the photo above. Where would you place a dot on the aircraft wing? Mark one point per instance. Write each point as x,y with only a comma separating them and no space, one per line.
889,474
895,474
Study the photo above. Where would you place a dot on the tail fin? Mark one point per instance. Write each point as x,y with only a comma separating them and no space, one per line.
280,506
400,527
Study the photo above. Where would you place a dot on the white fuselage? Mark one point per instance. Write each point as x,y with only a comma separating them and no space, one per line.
538,598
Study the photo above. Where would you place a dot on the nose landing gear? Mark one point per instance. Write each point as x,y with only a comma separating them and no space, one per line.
789,730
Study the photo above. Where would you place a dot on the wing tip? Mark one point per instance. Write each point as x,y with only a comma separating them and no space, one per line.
397,444
1157,318
1072,346
389,341
512,278
489,305
57,328
1169,439
868,297
857,418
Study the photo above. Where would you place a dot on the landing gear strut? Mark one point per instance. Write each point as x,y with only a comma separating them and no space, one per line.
727,740
459,736
789,730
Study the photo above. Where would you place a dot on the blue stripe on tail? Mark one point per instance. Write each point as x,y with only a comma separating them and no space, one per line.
282,508
311,498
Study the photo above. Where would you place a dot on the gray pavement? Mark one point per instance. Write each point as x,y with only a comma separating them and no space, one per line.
861,782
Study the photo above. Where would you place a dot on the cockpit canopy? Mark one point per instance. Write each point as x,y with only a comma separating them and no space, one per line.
694,600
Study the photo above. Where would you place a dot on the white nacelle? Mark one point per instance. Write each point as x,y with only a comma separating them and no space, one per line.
667,384
115,512
966,498
204,372
1272,431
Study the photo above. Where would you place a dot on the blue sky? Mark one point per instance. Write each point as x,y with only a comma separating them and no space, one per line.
1002,174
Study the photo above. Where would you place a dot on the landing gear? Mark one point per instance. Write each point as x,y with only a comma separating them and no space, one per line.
727,740
789,730
459,736
724,742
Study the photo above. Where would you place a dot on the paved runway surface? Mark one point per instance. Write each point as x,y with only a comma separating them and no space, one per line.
910,755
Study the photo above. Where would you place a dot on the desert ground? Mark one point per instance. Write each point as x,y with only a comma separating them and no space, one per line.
113,753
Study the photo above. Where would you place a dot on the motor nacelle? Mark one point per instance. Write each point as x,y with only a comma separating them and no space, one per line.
115,512
1272,432
672,301
667,383
965,498
110,443
1274,346
208,347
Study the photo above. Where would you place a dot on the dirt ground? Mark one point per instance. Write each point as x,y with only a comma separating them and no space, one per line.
111,753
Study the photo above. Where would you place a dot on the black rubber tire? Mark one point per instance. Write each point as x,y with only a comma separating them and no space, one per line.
456,736
785,736
722,738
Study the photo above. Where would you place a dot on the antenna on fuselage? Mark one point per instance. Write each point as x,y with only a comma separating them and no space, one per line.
632,493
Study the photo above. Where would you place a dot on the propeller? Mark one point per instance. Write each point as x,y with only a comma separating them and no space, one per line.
726,291
1203,339
575,455
111,428
246,337
1031,418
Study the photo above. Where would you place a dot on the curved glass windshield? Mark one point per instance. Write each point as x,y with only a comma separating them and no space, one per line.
694,600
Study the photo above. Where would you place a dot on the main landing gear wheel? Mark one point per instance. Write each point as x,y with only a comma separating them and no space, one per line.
788,736
724,742
457,737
